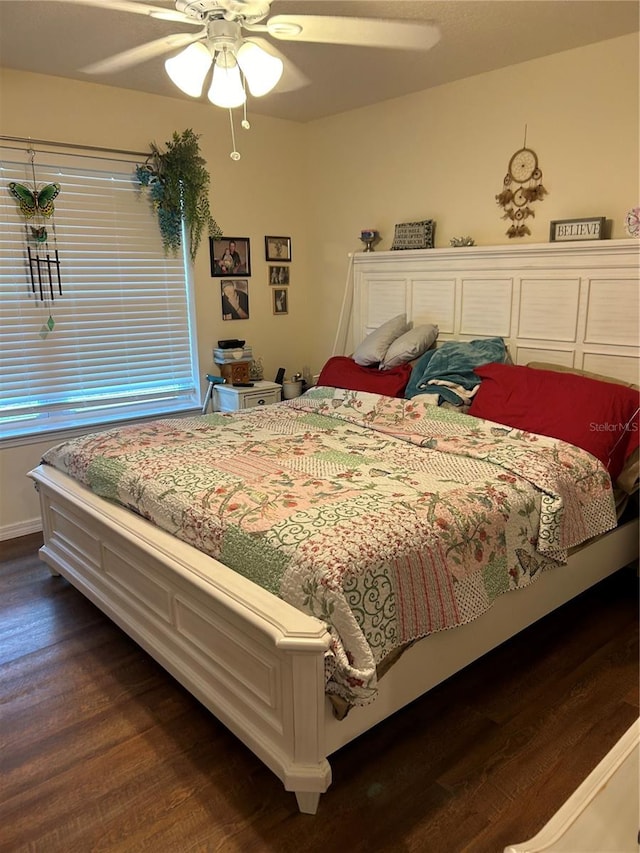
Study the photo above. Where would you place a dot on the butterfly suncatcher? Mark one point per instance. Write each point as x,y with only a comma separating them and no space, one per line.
43,261
45,270
35,202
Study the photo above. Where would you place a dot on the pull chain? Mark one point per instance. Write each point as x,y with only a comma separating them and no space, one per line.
235,155
245,120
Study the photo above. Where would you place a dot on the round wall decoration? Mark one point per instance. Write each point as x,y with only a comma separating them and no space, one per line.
522,185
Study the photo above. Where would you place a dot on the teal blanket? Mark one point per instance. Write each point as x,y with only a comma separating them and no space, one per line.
453,363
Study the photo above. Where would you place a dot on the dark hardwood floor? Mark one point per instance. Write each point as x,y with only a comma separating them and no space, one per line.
101,750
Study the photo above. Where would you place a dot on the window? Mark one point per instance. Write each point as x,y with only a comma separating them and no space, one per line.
122,344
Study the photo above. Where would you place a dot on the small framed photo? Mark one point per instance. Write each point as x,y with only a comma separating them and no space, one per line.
230,256
235,299
277,248
279,275
563,230
280,300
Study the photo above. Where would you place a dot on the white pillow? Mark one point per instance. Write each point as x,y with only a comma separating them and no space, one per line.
411,345
373,348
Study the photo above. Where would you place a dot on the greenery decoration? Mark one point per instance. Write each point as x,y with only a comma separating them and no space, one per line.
178,184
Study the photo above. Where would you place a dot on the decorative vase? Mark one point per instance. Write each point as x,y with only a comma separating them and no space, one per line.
256,370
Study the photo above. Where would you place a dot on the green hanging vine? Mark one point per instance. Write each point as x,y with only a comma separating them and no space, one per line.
178,184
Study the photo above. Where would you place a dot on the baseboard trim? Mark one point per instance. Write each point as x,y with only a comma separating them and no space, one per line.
20,528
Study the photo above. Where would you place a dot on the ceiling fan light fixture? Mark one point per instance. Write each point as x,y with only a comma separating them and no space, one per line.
189,68
261,70
226,89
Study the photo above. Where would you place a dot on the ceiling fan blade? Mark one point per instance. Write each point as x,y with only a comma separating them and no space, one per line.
292,77
133,7
141,53
364,32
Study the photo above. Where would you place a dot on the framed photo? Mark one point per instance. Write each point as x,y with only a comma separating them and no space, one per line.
277,248
230,256
281,300
279,275
235,299
591,228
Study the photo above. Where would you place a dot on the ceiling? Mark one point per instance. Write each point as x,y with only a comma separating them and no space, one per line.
59,38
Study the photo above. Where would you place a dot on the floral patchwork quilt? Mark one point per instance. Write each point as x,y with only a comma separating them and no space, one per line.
388,519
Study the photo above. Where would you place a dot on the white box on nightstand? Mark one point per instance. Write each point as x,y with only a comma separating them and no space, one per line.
232,399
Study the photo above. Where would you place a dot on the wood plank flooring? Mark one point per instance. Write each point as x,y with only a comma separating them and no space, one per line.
101,750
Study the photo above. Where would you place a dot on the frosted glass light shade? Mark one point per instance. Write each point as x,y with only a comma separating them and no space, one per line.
226,86
189,68
261,70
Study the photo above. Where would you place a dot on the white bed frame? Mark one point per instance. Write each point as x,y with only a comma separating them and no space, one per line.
256,662
602,813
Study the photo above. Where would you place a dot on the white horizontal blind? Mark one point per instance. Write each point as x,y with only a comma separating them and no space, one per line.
122,345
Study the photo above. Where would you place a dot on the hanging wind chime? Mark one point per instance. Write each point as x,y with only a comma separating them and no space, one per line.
36,205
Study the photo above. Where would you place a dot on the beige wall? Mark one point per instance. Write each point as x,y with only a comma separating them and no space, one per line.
439,154
442,154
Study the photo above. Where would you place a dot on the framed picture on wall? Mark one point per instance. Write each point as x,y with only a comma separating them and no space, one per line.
279,275
230,256
280,300
235,299
277,248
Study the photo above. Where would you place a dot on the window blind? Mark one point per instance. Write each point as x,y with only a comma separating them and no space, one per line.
123,341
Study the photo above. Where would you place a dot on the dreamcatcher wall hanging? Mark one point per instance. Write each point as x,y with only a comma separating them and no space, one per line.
522,186
36,205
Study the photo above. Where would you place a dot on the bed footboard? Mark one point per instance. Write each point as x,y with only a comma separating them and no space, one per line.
253,660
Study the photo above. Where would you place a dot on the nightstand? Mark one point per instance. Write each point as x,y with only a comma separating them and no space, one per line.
231,399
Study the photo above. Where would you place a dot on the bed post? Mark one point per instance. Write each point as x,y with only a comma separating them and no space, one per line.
46,529
309,775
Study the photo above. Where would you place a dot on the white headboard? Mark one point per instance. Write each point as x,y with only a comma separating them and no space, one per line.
575,304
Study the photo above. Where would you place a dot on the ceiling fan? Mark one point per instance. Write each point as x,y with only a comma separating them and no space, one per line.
232,36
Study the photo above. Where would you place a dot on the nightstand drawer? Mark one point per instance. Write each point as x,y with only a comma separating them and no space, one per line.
259,398
232,399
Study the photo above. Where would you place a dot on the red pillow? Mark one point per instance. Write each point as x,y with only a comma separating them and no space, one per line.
599,417
342,372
